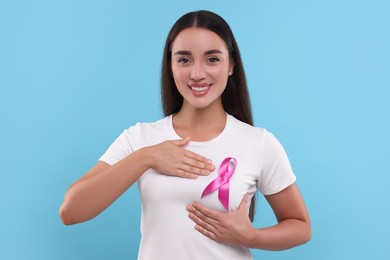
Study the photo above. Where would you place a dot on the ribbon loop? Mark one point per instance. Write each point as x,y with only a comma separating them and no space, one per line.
221,183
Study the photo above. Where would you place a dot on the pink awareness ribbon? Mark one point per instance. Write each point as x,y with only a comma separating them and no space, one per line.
221,183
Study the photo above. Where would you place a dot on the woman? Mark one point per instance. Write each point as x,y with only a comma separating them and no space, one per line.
199,167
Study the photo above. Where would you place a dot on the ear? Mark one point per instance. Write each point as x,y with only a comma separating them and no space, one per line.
231,67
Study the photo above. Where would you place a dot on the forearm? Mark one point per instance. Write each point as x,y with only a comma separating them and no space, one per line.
90,195
288,233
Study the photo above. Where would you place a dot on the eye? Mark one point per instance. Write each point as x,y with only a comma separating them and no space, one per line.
183,60
213,60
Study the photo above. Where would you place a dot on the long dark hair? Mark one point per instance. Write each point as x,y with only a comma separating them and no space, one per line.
235,98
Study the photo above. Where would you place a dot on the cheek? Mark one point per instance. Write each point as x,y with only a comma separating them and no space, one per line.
180,75
178,78
219,71
221,74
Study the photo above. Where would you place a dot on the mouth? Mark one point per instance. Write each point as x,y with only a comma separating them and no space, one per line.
200,89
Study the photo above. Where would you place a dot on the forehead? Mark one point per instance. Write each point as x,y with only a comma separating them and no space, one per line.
198,39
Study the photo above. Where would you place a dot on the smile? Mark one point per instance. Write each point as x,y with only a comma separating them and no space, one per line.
200,89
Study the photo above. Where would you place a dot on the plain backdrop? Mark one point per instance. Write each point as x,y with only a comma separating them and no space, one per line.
75,74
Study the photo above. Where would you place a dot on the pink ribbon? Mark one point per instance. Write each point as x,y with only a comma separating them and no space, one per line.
221,183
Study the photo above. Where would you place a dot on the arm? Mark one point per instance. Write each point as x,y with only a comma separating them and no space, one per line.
293,226
100,187
103,184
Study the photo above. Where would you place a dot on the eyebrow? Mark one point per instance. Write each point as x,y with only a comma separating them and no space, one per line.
206,52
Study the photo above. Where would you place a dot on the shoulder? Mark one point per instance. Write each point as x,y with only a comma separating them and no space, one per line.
252,135
148,133
133,138
246,130
148,127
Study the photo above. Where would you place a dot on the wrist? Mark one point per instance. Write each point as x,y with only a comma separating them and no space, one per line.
146,157
251,238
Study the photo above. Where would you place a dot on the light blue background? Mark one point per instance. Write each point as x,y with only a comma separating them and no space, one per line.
74,74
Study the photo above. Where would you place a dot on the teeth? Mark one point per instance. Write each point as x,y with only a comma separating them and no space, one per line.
199,89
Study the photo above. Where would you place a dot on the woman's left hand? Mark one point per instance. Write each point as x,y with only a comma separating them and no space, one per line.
231,227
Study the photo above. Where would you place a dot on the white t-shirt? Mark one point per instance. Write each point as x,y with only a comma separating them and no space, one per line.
167,231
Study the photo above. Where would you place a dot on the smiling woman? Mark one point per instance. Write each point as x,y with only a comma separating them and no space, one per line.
200,66
206,144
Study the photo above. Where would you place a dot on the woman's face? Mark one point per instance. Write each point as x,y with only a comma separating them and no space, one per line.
200,66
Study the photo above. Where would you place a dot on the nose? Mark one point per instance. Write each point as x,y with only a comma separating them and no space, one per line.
197,72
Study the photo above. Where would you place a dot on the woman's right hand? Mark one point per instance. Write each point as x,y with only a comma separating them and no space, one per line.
171,158
103,184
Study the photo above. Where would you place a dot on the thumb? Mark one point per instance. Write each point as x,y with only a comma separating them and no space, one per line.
244,202
183,142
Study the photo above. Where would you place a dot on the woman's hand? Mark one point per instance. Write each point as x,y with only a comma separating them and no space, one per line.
293,226
231,228
171,158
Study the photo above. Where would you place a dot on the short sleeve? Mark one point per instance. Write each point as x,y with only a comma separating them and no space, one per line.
119,149
276,172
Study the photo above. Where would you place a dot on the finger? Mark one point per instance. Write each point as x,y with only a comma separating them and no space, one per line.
207,163
188,169
197,157
182,142
200,222
244,201
206,232
190,208
185,174
203,212
196,167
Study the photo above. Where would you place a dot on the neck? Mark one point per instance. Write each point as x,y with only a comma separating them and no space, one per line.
200,124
